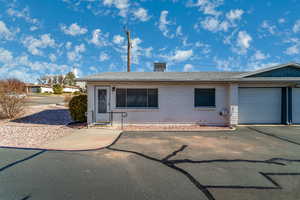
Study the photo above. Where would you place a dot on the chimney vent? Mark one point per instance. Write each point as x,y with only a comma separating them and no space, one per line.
160,67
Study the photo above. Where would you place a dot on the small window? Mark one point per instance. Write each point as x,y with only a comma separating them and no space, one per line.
205,97
137,98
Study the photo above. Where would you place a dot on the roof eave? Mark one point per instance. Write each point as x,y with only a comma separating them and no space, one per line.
243,75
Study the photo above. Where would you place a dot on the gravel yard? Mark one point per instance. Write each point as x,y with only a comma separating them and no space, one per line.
37,126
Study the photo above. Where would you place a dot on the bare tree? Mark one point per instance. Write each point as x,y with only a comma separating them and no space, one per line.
11,97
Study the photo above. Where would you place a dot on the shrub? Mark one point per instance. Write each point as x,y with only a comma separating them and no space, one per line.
76,93
57,89
12,98
78,108
67,99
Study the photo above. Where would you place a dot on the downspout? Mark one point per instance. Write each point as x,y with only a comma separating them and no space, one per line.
290,106
284,106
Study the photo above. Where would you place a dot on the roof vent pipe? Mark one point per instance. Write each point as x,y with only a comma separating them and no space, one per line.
160,67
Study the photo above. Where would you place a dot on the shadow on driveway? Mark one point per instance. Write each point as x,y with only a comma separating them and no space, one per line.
47,117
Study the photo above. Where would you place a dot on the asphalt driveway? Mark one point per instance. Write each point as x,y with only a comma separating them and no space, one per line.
42,99
249,163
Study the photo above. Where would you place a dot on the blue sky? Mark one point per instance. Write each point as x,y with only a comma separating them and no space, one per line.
53,36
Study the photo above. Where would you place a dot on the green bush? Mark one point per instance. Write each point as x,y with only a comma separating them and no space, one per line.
57,89
38,90
76,93
78,108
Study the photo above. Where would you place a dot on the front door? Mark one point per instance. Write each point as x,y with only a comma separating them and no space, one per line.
102,104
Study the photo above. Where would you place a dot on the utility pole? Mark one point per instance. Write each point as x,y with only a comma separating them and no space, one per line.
128,49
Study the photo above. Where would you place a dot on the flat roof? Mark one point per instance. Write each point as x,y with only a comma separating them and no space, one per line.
160,76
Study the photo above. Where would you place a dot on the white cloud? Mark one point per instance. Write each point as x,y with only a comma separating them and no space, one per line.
163,24
103,56
188,67
141,14
34,45
75,55
214,25
121,5
225,65
52,57
118,39
181,55
137,50
24,14
93,68
234,14
5,56
208,7
5,32
292,50
179,31
33,28
281,20
259,65
98,38
296,27
243,41
259,56
73,29
68,45
270,28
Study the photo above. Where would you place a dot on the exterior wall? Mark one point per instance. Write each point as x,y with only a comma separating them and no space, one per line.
176,105
71,90
46,90
91,104
233,91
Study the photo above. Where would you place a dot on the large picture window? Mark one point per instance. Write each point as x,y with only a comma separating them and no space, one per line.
205,97
136,98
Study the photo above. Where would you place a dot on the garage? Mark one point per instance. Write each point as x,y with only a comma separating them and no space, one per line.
260,105
296,105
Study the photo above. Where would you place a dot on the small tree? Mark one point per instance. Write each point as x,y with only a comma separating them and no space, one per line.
57,89
12,98
70,79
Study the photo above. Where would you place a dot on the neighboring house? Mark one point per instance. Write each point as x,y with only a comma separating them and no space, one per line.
71,89
266,96
34,88
81,85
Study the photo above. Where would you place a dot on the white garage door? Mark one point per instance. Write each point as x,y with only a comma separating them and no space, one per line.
296,105
259,105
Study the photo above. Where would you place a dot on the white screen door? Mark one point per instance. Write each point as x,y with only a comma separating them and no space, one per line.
102,104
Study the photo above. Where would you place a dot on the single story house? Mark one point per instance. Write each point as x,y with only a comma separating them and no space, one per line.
266,96
38,88
70,89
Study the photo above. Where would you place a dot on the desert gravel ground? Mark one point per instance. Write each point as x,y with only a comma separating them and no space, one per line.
38,125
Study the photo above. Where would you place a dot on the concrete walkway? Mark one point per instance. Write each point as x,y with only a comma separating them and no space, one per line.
84,139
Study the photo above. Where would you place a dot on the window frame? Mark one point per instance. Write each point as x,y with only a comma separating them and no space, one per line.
205,106
129,107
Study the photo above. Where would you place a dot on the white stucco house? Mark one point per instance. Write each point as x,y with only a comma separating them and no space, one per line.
266,96
70,89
